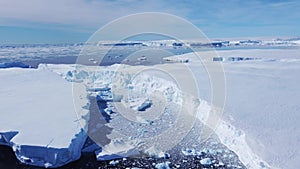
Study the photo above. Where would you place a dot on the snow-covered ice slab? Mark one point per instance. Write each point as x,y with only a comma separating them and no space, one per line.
262,106
38,117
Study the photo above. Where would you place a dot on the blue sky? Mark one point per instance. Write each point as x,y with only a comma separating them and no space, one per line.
63,21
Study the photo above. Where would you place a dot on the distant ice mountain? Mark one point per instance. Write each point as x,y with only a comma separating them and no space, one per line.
205,44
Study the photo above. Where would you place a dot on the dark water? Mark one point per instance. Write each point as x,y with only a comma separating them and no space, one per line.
125,55
130,56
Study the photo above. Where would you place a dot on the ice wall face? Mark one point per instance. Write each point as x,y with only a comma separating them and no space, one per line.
38,118
138,83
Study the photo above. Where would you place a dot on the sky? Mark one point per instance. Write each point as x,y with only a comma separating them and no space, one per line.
73,21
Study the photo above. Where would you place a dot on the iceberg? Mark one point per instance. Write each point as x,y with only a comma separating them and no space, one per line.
38,118
206,162
164,165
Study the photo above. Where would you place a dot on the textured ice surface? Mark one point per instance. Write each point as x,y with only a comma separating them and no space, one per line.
38,118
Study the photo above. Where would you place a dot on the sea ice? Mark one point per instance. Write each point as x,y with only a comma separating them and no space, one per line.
164,165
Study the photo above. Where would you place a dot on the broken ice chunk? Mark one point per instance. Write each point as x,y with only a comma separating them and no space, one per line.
206,162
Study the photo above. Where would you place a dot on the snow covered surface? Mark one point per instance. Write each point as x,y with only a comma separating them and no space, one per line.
38,118
262,106
258,55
